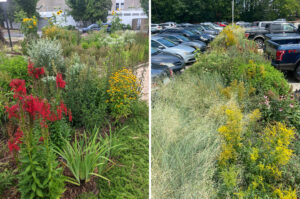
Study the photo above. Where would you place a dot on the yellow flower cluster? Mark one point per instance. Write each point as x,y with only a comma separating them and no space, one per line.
51,31
234,88
124,89
285,194
31,22
230,39
231,134
59,12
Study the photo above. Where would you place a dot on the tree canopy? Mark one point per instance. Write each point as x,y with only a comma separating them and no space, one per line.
28,6
145,6
89,10
220,10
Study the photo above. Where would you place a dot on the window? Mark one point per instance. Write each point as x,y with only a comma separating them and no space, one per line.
154,44
276,27
166,42
122,5
117,6
288,27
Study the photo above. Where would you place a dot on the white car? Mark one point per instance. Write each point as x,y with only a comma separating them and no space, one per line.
168,25
155,28
184,52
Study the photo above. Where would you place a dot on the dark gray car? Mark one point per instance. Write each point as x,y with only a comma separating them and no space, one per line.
184,40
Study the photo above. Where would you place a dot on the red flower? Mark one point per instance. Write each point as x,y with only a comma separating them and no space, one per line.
18,86
41,139
70,115
13,145
32,105
59,81
13,111
35,72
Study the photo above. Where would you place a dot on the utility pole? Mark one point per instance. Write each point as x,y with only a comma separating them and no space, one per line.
232,12
4,2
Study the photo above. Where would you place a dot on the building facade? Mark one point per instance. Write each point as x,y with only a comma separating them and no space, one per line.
127,10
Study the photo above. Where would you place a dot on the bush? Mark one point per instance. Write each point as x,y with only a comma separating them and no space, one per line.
123,91
85,95
12,68
47,53
60,131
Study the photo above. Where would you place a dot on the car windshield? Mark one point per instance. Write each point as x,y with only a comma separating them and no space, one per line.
189,33
166,43
93,26
172,38
183,38
154,51
208,27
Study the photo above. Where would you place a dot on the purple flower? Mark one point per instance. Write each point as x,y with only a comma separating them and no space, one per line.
281,109
292,105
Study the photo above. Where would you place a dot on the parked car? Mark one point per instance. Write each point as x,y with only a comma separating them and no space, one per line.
160,73
207,29
182,51
284,49
212,25
155,28
221,24
244,24
176,38
160,59
92,27
185,32
258,34
203,36
261,24
168,25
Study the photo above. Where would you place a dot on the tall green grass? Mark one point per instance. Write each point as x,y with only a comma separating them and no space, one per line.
185,141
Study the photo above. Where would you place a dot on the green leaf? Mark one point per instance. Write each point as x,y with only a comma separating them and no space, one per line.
33,187
39,192
27,169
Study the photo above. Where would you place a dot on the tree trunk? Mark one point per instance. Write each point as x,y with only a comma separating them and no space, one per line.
2,39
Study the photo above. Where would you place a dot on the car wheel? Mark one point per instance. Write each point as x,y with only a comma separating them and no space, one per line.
297,72
259,42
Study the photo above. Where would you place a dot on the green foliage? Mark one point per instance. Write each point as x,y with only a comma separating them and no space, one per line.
116,24
47,53
145,6
40,176
28,6
185,145
129,175
90,10
84,45
85,95
7,177
201,10
60,131
12,68
86,155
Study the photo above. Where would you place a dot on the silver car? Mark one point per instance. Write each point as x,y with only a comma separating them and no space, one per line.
185,41
187,53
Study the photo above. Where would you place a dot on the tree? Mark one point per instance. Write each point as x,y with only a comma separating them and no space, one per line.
145,6
28,6
89,10
2,39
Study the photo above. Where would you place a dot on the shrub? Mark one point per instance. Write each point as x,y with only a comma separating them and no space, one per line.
85,45
259,156
86,155
47,53
60,131
12,68
7,178
85,95
124,90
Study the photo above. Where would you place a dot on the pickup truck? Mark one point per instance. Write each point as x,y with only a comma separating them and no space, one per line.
284,49
258,34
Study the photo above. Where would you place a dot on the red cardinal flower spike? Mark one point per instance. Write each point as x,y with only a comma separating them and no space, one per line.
59,81
35,72
18,86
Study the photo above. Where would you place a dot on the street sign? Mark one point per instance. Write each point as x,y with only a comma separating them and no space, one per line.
3,1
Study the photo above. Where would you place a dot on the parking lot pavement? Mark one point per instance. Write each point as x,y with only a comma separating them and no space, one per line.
293,82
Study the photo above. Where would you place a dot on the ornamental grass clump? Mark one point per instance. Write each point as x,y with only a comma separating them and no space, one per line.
124,91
